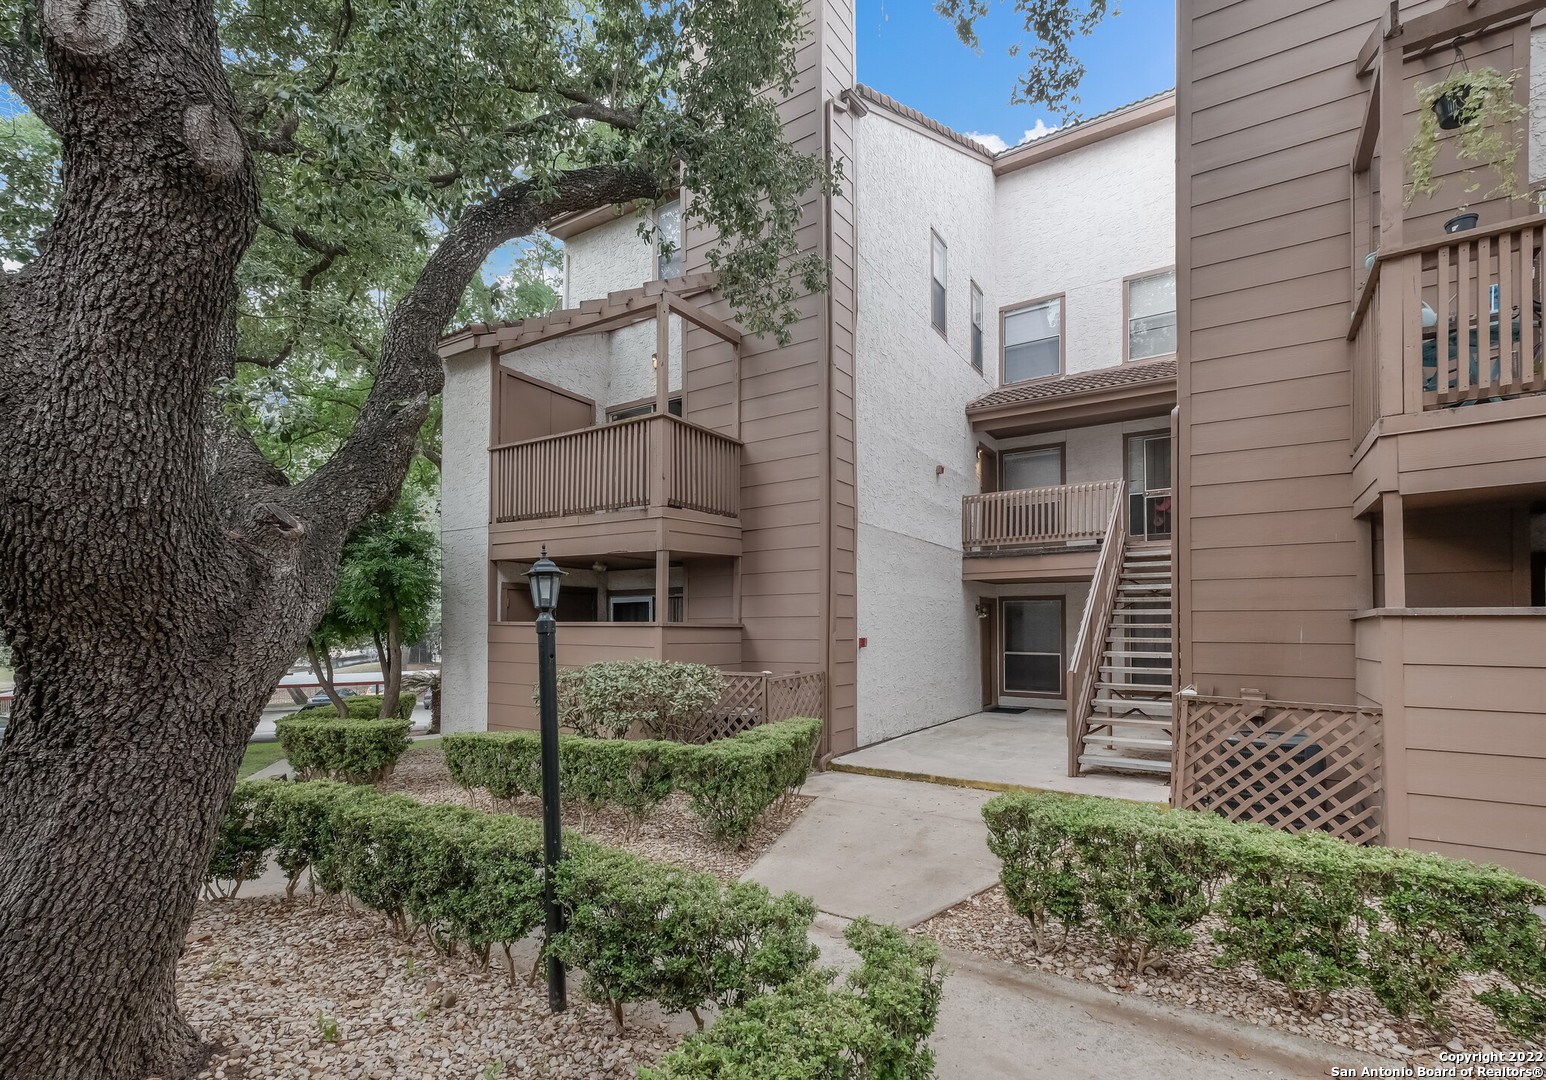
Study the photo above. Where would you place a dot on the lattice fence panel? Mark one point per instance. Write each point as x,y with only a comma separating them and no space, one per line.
1286,764
796,695
752,698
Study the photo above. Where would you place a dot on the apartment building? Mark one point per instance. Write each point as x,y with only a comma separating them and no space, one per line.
1359,445
902,511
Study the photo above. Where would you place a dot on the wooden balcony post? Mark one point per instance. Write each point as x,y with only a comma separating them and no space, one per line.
662,595
662,357
1394,550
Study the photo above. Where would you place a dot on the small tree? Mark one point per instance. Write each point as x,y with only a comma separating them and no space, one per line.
387,586
338,629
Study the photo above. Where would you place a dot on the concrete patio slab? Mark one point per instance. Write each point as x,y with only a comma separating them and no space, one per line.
891,849
997,751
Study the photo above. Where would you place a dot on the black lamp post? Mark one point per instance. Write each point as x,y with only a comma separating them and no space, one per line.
543,578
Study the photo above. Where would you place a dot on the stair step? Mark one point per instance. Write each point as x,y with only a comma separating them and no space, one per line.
1138,688
1145,575
1127,742
1157,669
1135,652
1111,762
1136,721
1148,708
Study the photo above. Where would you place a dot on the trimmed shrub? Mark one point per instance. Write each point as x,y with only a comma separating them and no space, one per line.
342,748
643,930
730,783
651,931
360,706
875,1027
605,700
1308,911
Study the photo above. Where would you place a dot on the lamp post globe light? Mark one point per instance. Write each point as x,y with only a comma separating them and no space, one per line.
543,579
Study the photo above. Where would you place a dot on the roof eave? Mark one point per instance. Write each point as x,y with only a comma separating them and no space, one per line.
1088,408
1082,135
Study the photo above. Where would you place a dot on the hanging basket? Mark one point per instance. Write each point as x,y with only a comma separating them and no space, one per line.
1450,107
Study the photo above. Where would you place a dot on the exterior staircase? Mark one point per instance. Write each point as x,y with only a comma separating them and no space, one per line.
1128,722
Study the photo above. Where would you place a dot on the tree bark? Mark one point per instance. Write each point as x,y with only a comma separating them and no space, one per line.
157,577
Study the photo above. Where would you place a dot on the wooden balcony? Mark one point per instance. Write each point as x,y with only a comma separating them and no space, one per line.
1448,371
647,484
1050,533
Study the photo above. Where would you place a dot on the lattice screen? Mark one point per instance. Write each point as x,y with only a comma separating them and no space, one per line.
752,698
1289,765
796,695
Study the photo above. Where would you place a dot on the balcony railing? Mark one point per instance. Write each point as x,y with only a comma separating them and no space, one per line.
1033,517
652,461
1453,321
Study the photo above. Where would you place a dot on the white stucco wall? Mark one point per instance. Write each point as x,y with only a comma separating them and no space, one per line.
920,666
464,488
605,259
1078,224
1090,454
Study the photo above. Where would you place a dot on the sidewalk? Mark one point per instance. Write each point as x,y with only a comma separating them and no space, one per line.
901,851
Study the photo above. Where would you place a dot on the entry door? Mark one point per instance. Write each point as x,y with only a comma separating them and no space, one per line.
1149,496
1032,636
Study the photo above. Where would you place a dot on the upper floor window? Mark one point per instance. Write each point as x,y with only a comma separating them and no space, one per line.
1038,468
668,257
1151,315
976,327
1033,341
937,272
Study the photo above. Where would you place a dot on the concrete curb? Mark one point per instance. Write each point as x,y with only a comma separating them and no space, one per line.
839,765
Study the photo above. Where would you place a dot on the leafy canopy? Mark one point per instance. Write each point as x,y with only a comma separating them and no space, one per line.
1053,75
391,567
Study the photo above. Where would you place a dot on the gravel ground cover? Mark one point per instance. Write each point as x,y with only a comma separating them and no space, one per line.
987,925
296,991
672,833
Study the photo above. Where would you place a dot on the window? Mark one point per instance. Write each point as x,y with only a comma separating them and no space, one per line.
631,608
668,220
976,327
1033,341
938,272
1033,646
644,408
1033,469
1148,486
1151,316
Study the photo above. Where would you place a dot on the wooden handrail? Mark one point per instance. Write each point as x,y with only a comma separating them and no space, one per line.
1044,515
655,461
1084,663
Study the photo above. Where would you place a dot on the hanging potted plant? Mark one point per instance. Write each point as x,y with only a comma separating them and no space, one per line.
1479,106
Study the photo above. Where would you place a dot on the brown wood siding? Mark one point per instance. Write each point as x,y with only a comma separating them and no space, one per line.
1267,559
794,415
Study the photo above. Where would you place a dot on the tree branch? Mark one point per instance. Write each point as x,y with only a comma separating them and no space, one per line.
367,472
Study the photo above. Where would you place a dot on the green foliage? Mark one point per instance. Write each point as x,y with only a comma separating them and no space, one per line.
29,168
1308,911
1054,72
875,1027
471,880
646,931
730,783
360,706
1486,136
354,750
606,699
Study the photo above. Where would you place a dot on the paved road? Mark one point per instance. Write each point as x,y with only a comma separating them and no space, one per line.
271,713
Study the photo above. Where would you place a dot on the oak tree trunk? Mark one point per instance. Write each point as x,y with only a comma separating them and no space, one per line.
157,576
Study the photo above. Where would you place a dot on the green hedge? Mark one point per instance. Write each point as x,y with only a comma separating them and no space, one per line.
729,783
360,706
356,751
875,1027
473,880
1308,911
608,698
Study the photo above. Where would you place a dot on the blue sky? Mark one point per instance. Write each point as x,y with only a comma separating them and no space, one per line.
908,51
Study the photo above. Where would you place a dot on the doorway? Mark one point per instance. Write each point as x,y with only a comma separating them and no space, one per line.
1149,495
1030,656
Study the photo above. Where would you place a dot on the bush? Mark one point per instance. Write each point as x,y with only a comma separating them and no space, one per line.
360,706
730,783
1308,911
342,748
664,697
874,1028
651,931
643,930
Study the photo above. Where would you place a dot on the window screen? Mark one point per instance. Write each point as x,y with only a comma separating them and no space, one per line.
976,327
668,219
1033,646
1033,343
938,272
1151,316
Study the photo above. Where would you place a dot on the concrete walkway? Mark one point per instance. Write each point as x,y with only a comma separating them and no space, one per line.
901,851
998,750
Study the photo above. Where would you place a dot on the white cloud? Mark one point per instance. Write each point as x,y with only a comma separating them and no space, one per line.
998,144
992,142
